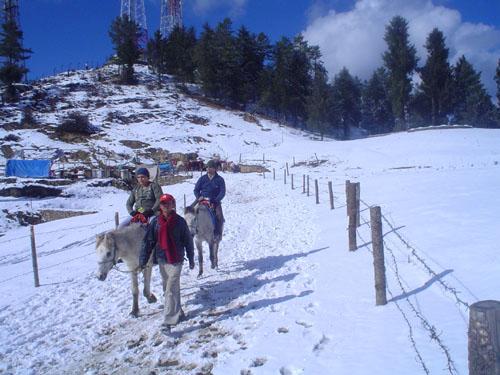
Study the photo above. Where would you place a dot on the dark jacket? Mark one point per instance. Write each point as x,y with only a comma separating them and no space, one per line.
182,237
214,188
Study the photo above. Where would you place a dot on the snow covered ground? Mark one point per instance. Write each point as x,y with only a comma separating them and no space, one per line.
289,297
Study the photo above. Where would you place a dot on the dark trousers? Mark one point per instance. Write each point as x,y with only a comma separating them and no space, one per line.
220,219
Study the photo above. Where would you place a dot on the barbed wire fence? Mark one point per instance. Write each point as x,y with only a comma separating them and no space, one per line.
339,196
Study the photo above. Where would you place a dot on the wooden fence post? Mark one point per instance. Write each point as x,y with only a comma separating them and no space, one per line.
358,197
347,183
274,174
117,220
184,202
34,259
287,172
330,192
316,190
292,181
303,184
484,338
378,255
307,187
240,159
263,158
351,212
293,161
284,176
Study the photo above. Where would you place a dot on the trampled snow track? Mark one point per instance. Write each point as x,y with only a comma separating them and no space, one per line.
83,326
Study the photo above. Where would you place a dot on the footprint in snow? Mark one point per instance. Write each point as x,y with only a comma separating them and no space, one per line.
304,323
320,345
257,362
311,308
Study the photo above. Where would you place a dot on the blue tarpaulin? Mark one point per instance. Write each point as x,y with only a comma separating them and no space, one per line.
27,168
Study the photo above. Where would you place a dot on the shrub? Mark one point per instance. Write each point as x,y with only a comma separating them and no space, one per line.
78,123
28,119
11,138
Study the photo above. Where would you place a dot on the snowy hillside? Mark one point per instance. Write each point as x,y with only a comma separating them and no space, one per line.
288,298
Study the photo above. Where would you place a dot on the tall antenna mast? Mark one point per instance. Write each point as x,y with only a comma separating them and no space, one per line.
135,11
171,16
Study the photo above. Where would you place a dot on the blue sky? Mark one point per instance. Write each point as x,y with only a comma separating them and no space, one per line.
70,33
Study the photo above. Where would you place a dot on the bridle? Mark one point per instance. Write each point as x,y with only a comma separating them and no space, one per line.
112,260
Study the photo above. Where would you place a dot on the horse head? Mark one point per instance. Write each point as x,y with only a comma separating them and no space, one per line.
106,254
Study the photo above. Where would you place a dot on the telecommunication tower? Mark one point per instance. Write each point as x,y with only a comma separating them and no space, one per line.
171,16
134,10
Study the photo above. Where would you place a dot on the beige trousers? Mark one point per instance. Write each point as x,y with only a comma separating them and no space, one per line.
171,275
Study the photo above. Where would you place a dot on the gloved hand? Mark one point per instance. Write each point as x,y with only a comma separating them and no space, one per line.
191,264
148,213
133,213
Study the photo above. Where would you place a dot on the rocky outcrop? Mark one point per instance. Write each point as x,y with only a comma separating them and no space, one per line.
30,191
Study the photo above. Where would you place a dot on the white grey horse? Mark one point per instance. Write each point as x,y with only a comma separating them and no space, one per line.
124,244
201,226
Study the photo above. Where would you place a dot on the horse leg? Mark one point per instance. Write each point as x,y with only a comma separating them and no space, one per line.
199,246
211,247
147,284
135,295
216,254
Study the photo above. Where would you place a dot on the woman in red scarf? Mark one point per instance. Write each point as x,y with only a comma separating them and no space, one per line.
169,236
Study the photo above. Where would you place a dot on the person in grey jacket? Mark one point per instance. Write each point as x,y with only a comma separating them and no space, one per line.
144,200
169,237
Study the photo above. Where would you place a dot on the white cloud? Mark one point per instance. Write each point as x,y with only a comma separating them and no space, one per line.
355,39
237,7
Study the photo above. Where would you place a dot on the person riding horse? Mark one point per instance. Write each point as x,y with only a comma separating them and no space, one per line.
144,200
212,187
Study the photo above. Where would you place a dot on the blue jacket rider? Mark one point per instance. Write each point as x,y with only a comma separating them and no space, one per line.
212,186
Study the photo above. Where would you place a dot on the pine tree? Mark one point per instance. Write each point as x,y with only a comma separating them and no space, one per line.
181,44
400,60
125,35
346,98
289,80
206,60
472,104
156,55
376,107
218,62
251,50
319,102
12,70
436,78
274,96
